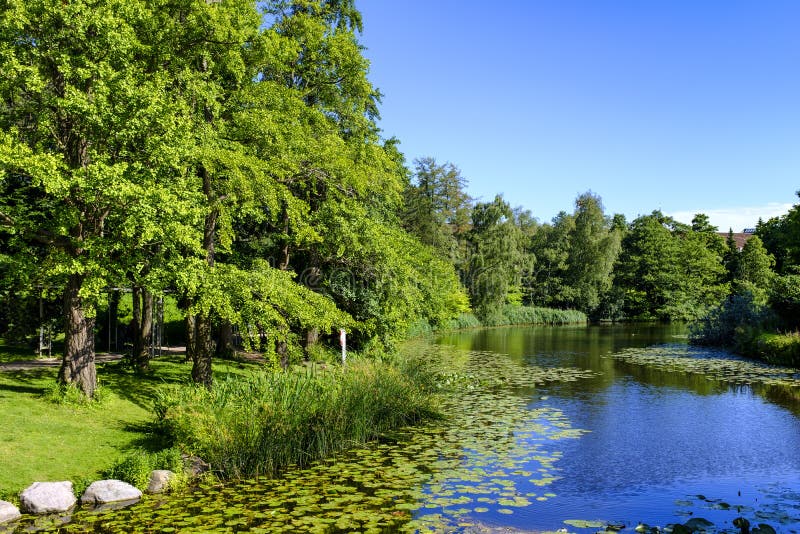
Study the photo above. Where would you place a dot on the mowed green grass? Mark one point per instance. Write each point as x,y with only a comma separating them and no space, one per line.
44,441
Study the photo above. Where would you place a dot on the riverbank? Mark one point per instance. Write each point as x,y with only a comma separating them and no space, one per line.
310,412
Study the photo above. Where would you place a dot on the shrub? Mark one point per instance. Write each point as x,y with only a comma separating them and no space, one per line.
781,349
135,467
464,320
784,298
733,324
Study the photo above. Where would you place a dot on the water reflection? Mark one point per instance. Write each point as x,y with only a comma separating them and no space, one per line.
658,435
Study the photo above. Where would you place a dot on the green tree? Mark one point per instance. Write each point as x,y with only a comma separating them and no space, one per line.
497,258
754,270
550,246
92,142
437,208
594,246
666,271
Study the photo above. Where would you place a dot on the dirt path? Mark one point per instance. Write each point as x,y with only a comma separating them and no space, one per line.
42,363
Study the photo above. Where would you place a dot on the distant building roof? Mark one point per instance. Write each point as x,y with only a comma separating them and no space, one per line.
741,238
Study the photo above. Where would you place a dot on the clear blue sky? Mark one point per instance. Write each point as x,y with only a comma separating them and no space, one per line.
678,105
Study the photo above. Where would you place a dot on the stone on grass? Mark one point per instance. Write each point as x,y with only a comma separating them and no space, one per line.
159,480
8,512
106,491
47,497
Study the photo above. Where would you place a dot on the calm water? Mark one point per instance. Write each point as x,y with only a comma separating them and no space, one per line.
566,427
657,439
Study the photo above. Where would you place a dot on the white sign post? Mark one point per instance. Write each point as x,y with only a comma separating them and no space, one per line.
343,343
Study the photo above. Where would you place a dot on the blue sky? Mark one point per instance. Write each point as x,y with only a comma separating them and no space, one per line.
679,105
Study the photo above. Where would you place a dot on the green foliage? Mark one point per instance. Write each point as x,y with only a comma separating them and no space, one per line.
70,395
778,349
463,321
135,467
494,272
268,421
594,246
666,271
437,209
733,324
522,315
784,298
754,267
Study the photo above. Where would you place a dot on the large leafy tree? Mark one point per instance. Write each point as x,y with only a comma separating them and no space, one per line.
91,148
497,257
667,271
754,269
594,246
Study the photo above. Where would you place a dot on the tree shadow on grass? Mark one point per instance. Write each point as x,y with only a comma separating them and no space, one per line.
141,389
34,382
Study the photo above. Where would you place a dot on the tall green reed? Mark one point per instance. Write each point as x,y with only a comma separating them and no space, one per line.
269,420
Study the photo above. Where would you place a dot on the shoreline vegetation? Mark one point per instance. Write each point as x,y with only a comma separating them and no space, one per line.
256,418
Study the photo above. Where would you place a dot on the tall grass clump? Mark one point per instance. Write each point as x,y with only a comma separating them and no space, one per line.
269,420
463,321
512,314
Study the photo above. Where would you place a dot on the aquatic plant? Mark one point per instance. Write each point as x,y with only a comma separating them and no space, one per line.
267,421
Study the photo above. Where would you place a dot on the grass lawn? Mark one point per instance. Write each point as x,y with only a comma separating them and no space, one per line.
44,441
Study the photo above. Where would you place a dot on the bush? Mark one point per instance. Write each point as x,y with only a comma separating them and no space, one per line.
780,349
267,421
135,468
734,324
784,298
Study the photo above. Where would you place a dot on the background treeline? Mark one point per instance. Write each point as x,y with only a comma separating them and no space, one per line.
227,154
760,315
653,268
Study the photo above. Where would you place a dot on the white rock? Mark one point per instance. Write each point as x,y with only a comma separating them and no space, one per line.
159,480
47,497
8,512
105,491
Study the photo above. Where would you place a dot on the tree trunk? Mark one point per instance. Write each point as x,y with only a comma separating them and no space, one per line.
312,338
113,312
282,350
77,365
142,328
191,336
203,351
225,348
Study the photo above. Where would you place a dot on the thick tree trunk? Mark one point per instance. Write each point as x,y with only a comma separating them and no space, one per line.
142,328
203,351
225,348
77,365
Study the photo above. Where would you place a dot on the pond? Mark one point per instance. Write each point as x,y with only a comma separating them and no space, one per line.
549,428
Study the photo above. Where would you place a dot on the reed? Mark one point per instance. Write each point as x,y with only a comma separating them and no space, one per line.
268,420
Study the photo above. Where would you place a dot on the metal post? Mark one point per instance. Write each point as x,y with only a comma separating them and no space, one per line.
343,343
41,326
108,308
